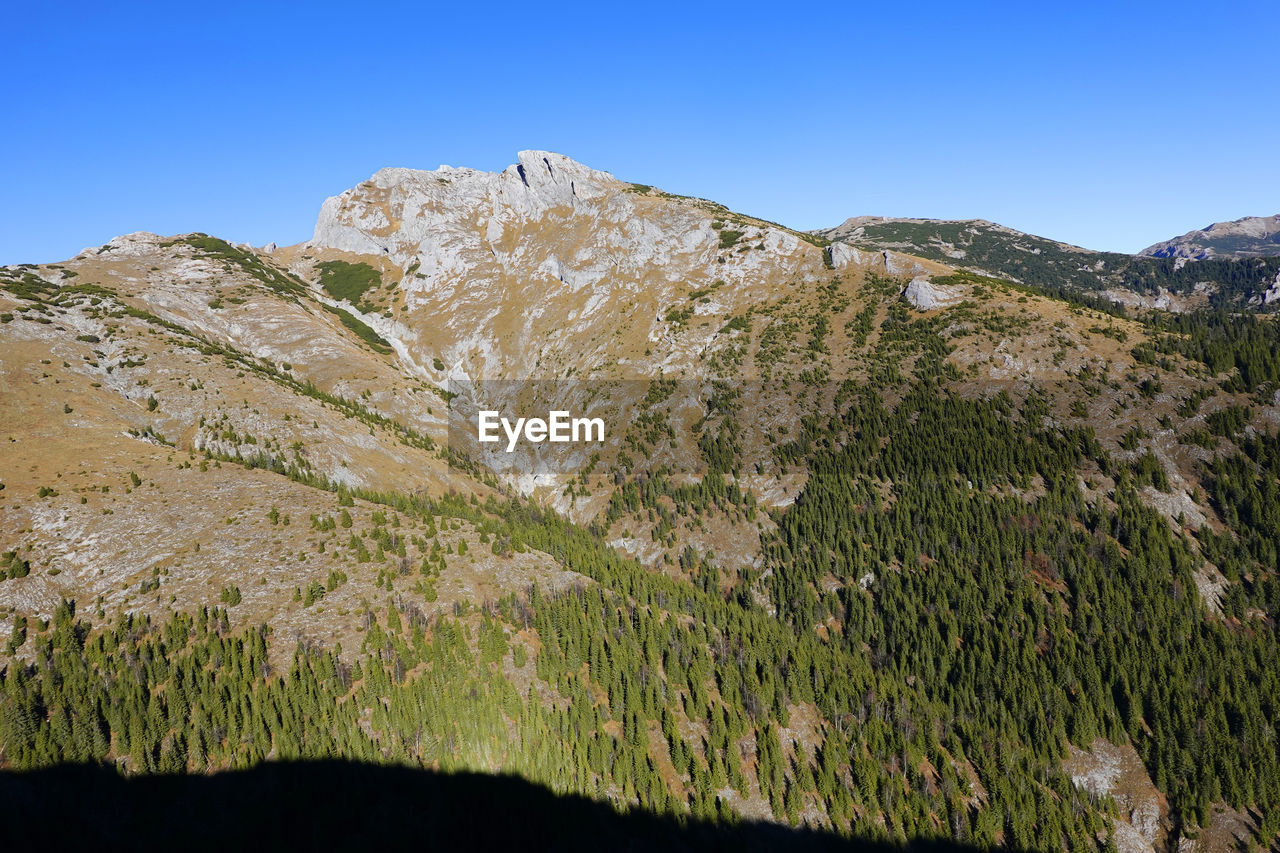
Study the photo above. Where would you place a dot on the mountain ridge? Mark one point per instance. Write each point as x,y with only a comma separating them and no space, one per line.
1137,281
1247,237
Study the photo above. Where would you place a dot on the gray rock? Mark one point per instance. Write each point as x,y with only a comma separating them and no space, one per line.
842,255
1273,292
928,296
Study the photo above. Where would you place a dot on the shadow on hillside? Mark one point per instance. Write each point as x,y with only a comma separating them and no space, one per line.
336,804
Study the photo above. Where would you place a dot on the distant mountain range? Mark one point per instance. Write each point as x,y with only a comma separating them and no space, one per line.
1239,276
1250,237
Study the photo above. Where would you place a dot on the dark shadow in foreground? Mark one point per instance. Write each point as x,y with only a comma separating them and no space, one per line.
337,804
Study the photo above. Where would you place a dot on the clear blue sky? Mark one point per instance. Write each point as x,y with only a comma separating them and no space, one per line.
1110,125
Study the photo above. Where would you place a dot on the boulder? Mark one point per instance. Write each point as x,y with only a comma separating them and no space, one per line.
928,296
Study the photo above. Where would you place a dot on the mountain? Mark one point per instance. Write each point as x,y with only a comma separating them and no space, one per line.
540,269
878,540
1165,281
1249,237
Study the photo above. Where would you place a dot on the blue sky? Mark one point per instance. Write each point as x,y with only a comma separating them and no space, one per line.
1109,125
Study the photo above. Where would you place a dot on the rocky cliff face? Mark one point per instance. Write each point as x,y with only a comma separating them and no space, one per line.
501,270
440,219
1250,237
513,274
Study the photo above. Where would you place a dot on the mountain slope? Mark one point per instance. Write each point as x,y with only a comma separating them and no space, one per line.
1249,237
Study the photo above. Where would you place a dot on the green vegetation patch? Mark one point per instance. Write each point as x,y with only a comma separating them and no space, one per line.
13,566
27,285
729,238
375,341
275,280
1245,346
346,281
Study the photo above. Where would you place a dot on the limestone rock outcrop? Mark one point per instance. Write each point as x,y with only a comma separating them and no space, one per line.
927,296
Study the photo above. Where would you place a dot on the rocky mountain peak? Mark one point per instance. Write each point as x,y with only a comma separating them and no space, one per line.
543,249
399,211
552,174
